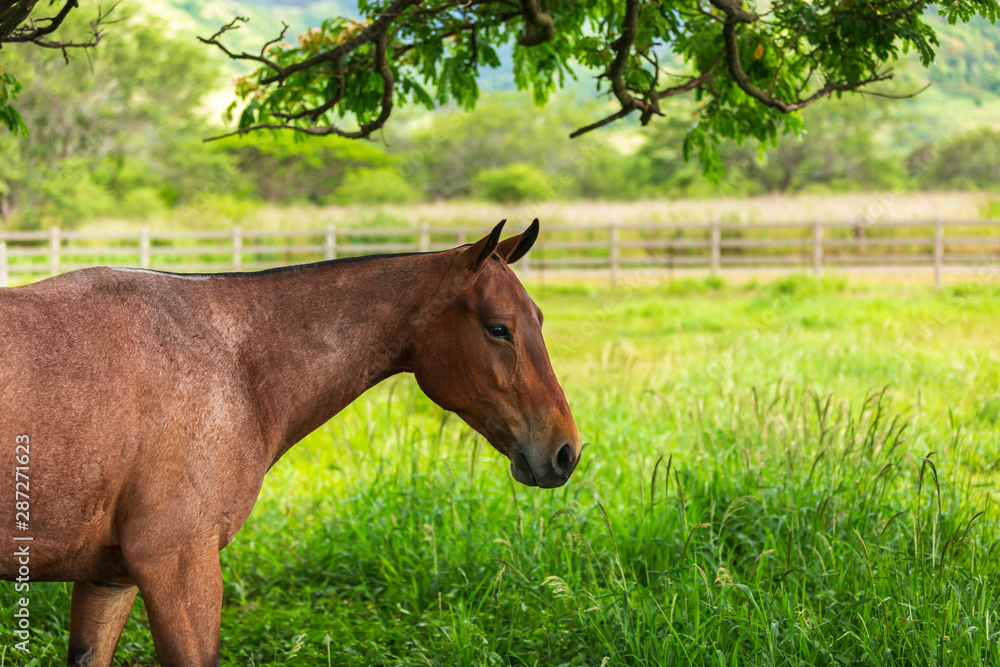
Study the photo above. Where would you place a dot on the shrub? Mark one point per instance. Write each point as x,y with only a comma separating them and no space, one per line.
513,183
382,185
969,161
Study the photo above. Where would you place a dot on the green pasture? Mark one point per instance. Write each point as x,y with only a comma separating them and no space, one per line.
790,473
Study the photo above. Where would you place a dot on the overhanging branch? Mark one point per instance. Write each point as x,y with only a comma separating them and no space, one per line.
33,33
648,103
621,113
377,31
232,25
623,49
538,25
37,30
300,88
333,63
364,131
735,14
372,32
688,86
14,14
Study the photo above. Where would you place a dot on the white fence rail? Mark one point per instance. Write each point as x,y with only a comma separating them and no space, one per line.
610,249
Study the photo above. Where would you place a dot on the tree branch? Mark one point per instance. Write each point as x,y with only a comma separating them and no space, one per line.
649,104
621,113
623,47
384,52
365,130
694,82
25,35
538,25
442,42
469,25
34,32
687,86
733,9
897,13
372,32
214,41
893,96
616,72
736,14
14,15
377,28
315,113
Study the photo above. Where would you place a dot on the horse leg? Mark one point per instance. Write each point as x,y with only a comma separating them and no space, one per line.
98,612
182,589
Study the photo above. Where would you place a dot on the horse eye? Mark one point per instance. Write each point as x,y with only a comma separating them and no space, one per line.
499,331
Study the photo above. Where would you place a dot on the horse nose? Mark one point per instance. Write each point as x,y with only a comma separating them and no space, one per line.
564,461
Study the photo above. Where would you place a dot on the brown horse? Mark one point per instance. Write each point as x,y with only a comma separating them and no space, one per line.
147,407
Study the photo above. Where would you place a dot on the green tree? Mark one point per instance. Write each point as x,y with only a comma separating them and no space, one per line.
840,151
284,168
514,183
110,133
971,159
750,69
449,148
19,26
381,185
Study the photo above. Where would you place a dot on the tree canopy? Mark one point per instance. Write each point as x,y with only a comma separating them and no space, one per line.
750,67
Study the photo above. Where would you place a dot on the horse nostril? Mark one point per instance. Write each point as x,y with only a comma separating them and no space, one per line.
564,461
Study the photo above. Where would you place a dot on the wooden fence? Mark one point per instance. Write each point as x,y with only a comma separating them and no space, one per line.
611,249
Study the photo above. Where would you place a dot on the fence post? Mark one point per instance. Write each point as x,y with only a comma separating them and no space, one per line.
3,263
330,248
237,248
54,243
144,247
817,248
938,252
614,241
716,261
425,237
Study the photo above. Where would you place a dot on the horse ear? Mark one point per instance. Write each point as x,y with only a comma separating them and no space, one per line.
516,247
475,255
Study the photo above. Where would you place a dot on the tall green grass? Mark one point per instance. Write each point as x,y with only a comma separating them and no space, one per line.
792,474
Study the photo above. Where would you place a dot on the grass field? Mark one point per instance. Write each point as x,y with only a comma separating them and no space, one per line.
794,473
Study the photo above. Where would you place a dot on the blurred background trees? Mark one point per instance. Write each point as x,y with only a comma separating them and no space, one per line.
117,131
112,130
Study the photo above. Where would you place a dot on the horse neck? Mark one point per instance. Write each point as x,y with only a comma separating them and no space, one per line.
319,337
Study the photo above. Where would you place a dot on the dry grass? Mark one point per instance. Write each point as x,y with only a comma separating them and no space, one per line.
871,207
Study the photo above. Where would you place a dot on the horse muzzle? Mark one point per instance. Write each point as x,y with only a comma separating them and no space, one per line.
547,472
